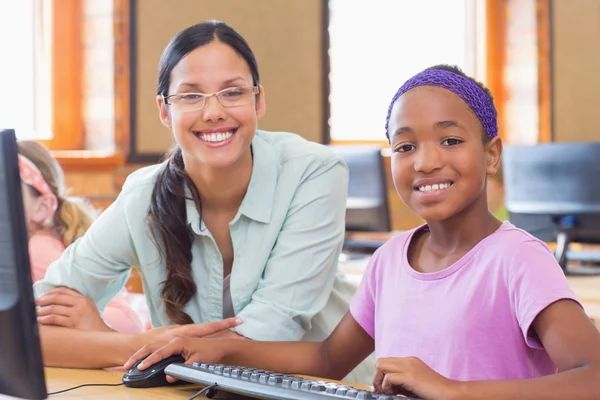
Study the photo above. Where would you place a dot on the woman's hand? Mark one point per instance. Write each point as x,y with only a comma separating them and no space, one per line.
191,349
411,376
165,334
69,308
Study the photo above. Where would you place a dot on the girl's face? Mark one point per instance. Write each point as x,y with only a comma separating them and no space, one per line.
203,135
38,209
439,161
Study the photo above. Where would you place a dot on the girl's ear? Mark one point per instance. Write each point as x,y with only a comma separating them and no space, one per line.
163,111
493,151
261,105
44,209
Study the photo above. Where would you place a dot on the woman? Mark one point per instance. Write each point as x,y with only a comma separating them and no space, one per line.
236,222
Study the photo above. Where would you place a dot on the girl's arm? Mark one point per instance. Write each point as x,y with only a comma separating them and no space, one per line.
334,358
572,342
74,348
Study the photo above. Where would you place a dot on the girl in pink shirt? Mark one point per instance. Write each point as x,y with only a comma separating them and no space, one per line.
464,307
54,221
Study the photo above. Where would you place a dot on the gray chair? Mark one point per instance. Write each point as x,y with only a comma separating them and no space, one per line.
367,208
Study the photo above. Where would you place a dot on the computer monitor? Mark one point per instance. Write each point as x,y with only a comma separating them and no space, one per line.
367,208
551,191
21,365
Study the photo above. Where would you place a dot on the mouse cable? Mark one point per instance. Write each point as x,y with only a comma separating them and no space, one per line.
209,390
87,384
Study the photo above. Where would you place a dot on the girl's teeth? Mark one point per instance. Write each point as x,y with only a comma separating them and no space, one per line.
434,187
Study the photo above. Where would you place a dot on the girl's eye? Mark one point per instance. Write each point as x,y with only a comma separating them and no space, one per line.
452,142
404,148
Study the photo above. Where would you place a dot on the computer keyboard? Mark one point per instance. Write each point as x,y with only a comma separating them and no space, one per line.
261,384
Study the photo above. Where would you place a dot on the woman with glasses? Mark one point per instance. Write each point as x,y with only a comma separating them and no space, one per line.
237,234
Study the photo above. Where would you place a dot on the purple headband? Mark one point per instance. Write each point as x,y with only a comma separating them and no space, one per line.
471,94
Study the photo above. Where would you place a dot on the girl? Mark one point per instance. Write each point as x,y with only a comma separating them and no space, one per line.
464,307
54,221
236,222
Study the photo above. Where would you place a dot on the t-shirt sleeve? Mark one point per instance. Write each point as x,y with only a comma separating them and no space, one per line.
362,306
536,281
43,250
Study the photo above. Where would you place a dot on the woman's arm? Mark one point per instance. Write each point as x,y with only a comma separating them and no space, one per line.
334,358
74,348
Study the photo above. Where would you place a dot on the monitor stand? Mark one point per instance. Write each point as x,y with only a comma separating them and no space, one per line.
566,258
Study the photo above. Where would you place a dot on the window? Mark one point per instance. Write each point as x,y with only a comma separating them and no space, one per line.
25,68
376,45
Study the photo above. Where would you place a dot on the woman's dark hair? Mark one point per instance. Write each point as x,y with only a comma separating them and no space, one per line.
167,217
456,70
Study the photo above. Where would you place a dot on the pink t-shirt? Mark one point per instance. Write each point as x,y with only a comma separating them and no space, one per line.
470,321
46,248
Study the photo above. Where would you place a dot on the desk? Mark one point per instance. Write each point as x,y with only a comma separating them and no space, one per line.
64,378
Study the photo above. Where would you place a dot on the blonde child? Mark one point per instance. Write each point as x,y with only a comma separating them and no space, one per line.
54,221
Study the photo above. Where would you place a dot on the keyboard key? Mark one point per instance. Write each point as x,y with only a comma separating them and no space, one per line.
246,375
275,380
296,385
352,393
341,391
254,377
318,388
363,395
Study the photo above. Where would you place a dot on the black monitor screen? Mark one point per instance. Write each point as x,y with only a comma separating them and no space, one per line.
21,366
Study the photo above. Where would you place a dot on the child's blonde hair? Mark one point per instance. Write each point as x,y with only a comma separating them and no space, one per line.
73,216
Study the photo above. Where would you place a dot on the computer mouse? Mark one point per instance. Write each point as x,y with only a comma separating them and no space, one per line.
153,376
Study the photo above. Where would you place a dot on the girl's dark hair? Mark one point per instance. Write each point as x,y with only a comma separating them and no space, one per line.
167,217
456,70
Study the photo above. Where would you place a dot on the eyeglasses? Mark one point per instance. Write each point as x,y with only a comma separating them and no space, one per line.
230,97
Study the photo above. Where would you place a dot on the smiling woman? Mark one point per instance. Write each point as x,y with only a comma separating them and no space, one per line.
235,223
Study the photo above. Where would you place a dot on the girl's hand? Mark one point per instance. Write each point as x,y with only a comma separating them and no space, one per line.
412,377
69,308
205,350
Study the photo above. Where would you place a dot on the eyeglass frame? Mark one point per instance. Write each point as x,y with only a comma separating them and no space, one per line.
256,91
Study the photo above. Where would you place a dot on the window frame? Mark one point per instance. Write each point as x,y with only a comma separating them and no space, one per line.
68,142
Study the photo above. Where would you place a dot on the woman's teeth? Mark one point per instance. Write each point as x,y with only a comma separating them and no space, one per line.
216,137
434,187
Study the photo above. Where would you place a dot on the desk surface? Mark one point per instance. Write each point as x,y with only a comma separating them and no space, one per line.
63,378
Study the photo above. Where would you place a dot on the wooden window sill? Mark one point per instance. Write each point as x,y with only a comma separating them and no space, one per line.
88,160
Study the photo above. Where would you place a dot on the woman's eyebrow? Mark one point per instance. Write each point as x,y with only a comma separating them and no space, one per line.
224,84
